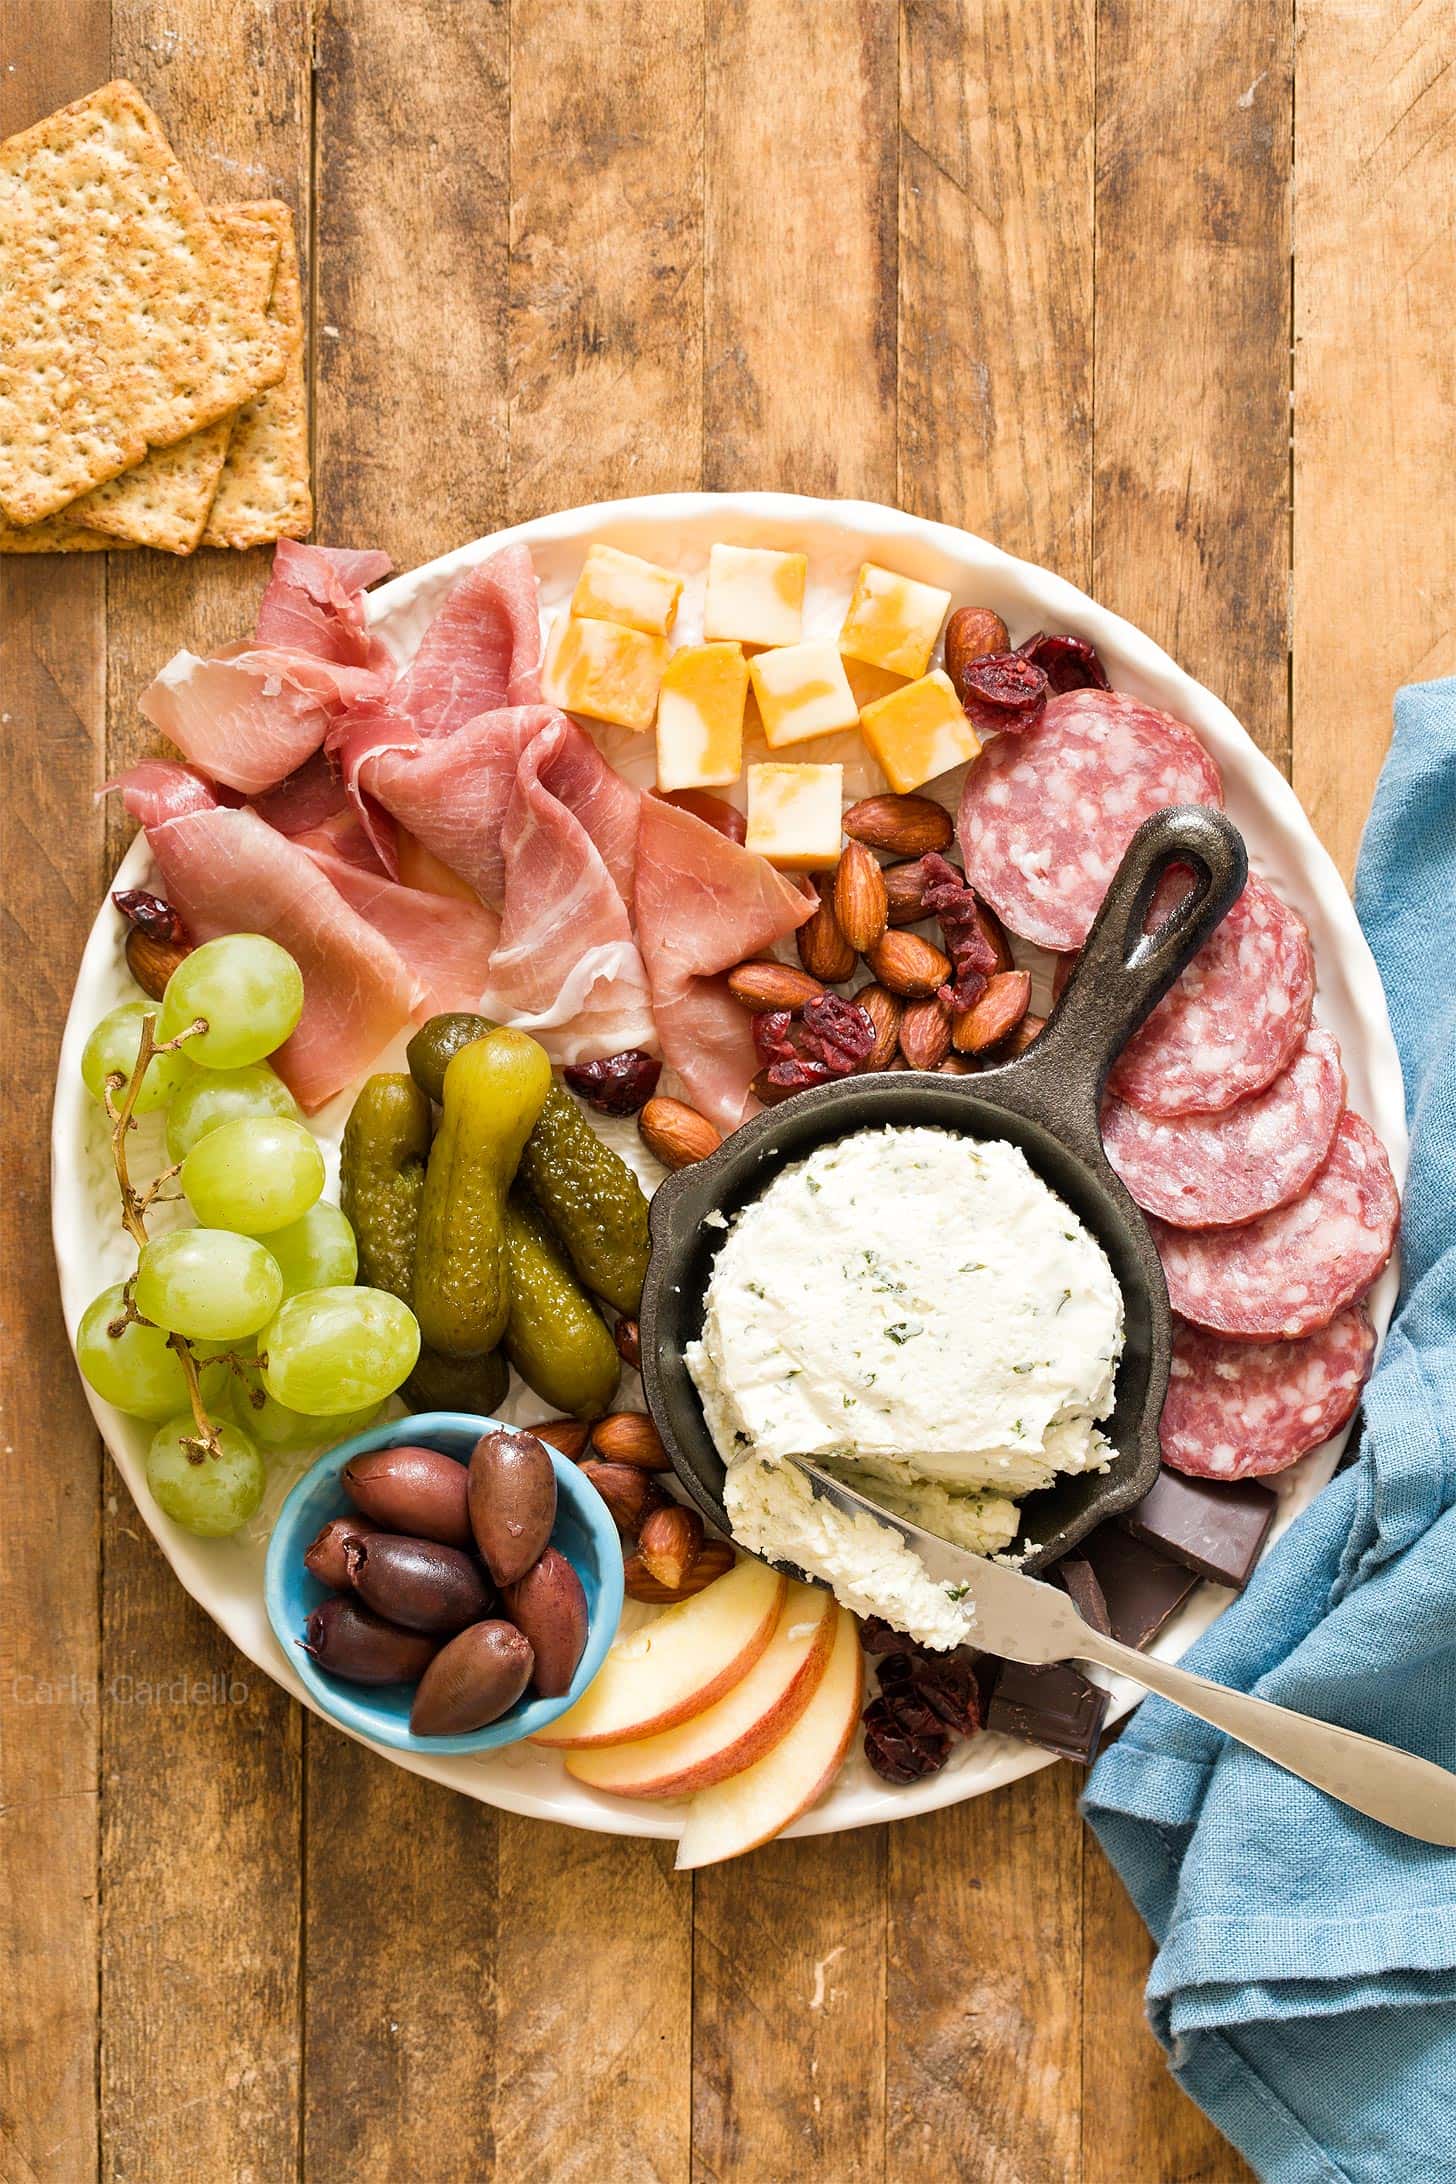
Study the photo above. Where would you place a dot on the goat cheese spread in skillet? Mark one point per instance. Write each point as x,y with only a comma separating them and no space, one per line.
918,1311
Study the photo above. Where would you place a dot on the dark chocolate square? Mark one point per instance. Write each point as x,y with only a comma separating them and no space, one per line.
1213,1526
1076,1574
1140,1586
1051,1705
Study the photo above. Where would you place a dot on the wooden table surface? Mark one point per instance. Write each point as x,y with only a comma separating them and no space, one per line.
1159,296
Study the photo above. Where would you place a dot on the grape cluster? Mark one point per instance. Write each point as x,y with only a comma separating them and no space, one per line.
244,1333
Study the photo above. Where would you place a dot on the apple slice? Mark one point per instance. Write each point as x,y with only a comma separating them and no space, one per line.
677,1665
738,1728
748,1808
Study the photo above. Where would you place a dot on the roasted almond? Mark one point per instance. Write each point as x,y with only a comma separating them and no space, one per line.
903,826
883,1009
628,1338
970,634
676,1134
152,961
630,1437
860,903
997,1013
761,986
908,965
630,1494
669,1541
715,1559
823,949
956,1065
1030,1027
925,1033
568,1435
905,890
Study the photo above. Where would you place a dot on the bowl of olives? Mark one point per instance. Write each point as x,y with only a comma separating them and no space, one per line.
444,1583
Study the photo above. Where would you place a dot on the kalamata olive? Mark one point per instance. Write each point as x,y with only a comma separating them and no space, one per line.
512,1501
473,1680
349,1640
417,1582
325,1558
549,1605
414,1490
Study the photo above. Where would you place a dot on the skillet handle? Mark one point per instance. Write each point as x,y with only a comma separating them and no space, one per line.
1123,972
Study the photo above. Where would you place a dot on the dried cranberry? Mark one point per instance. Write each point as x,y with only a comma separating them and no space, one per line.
926,1701
1002,693
904,1741
1069,663
617,1085
150,915
832,1038
950,900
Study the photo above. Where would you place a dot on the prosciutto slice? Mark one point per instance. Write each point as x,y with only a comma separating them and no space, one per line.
253,715
704,903
314,604
482,651
228,871
446,941
451,793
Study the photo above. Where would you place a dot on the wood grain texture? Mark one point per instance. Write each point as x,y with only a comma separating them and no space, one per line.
1192,403
1374,390
996,258
52,728
200,1847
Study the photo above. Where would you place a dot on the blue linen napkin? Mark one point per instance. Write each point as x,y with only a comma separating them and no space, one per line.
1305,1981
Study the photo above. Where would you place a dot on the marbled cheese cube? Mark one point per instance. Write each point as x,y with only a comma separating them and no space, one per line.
802,691
919,732
603,670
892,621
794,815
700,717
618,587
755,596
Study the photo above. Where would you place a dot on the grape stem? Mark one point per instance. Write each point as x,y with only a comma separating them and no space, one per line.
206,1443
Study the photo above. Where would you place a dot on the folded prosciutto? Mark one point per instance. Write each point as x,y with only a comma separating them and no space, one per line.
704,904
227,871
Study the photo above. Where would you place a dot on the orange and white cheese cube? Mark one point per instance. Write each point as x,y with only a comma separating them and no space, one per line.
618,587
604,670
919,732
802,692
755,596
700,717
794,815
892,622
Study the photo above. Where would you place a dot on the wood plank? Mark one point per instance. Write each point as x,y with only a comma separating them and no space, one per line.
595,1935
409,424
983,2032
52,725
1375,390
201,1849
1192,489
799,393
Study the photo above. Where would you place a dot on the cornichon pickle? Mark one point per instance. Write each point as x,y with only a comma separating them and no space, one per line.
494,1089
555,1337
588,1193
475,1384
382,1179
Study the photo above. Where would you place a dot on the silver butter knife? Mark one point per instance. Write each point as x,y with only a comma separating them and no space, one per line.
1024,1619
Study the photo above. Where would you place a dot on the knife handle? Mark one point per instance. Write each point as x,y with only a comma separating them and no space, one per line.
1385,1783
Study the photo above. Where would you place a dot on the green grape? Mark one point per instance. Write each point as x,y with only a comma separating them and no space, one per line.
277,1429
255,1174
135,1370
213,1096
334,1350
208,1284
249,991
316,1252
211,1494
113,1047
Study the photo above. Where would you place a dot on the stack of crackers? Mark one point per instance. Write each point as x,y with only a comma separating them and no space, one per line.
152,370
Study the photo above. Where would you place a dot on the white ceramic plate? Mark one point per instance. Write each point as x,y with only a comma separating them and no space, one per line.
677,530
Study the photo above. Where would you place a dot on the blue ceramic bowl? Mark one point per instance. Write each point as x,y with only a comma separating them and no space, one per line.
584,1533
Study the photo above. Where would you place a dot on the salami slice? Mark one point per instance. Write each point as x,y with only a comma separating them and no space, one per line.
1239,1410
1045,816
1291,1271
1217,1171
1235,1019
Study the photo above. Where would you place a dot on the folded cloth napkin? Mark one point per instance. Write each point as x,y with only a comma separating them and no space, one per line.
1305,1981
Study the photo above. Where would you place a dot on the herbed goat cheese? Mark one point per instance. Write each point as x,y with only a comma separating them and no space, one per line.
918,1307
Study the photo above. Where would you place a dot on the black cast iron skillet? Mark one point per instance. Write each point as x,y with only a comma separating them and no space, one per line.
1047,1102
